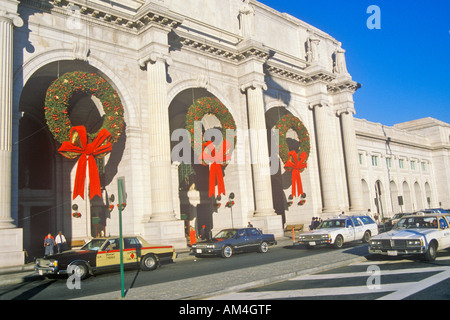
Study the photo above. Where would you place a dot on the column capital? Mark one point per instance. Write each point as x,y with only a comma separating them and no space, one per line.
253,85
346,110
318,103
153,57
11,17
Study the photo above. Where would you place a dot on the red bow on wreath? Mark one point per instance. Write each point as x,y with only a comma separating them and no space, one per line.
78,145
217,160
295,166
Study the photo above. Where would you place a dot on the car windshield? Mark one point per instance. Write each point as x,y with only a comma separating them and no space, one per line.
332,224
94,244
226,234
417,222
398,216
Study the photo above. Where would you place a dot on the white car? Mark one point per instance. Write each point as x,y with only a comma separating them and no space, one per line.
414,235
340,230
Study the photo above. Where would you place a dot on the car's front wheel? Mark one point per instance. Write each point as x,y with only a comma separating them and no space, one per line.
338,242
227,252
149,262
80,270
431,253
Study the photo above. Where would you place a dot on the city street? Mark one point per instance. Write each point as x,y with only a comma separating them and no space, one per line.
285,272
380,278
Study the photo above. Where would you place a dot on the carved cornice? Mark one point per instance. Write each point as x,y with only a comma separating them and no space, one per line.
349,85
128,18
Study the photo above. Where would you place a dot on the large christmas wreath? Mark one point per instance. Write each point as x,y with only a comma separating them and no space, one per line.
291,122
214,156
294,161
202,107
58,98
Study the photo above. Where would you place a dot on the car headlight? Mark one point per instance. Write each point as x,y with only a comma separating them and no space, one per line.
210,246
415,242
375,243
53,263
326,236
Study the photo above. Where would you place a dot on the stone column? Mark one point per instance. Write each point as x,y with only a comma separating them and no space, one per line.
159,142
264,217
326,163
11,249
163,227
259,149
352,161
7,22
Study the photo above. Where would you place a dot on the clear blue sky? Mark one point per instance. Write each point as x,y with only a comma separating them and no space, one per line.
404,67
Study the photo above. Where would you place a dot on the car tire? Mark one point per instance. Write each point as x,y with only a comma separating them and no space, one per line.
227,252
366,237
431,253
149,262
81,270
263,247
338,242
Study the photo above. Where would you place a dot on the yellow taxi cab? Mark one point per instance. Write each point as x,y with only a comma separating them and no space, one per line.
103,254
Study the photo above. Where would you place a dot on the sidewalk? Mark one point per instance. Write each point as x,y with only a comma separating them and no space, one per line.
224,282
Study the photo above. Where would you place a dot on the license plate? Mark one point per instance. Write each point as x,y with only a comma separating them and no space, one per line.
199,250
312,243
392,252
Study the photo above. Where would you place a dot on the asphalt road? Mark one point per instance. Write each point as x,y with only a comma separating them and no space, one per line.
184,279
378,278
57,289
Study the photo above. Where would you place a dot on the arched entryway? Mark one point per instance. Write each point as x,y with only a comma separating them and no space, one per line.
45,178
196,207
291,208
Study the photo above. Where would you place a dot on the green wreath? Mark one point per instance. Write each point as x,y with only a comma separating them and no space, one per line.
202,107
58,97
290,122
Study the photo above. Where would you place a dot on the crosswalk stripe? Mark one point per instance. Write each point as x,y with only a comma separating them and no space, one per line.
305,293
417,286
381,262
366,273
396,291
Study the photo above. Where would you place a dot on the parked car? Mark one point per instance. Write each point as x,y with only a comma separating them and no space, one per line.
340,230
414,235
230,241
104,253
390,222
436,210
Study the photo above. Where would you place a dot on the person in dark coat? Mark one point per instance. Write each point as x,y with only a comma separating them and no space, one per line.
49,245
203,233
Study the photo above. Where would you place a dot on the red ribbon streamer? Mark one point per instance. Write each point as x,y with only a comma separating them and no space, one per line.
78,145
295,166
217,160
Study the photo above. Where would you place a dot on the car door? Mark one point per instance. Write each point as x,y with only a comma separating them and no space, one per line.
254,238
359,228
445,230
109,254
131,250
349,233
242,242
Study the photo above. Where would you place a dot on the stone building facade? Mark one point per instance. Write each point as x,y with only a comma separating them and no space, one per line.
160,56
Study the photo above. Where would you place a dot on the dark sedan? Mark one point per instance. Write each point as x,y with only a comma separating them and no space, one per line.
230,241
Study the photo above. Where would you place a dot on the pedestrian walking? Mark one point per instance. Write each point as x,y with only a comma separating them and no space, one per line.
202,233
60,242
49,244
192,237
